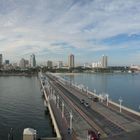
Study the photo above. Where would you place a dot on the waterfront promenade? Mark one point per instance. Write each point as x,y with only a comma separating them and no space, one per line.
99,116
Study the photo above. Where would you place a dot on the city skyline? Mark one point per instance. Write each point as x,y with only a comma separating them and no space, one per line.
54,29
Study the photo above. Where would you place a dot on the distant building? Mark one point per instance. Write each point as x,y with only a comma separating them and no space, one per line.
96,65
7,62
60,64
135,67
27,63
1,60
87,65
71,61
22,63
49,64
32,61
15,65
104,61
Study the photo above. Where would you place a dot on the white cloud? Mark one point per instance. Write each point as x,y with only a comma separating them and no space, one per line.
39,23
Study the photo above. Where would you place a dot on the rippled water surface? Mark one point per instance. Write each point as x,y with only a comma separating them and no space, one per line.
21,106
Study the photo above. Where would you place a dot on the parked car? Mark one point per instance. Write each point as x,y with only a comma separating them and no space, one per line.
92,135
86,104
82,101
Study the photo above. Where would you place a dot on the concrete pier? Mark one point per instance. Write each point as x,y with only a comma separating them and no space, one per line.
105,114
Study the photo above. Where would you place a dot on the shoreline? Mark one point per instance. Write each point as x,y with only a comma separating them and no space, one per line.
17,74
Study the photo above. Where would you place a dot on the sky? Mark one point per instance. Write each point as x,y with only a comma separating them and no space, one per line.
53,29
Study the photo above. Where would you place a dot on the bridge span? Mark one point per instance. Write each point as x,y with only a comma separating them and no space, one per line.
73,119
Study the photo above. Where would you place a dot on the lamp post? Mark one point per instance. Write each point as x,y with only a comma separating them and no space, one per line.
87,90
63,109
71,117
57,101
107,98
120,100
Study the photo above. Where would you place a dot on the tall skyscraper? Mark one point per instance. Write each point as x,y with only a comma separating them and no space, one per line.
0,60
104,61
32,61
71,61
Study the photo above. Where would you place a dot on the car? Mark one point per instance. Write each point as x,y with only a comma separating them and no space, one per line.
96,99
90,97
92,135
82,101
86,104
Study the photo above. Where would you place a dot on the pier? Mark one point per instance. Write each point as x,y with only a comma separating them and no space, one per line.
72,119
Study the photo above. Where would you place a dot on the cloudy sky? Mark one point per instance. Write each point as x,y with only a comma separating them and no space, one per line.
52,29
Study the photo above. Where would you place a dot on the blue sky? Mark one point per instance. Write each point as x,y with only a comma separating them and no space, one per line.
53,29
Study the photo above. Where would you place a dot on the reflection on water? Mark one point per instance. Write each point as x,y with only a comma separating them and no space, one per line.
21,106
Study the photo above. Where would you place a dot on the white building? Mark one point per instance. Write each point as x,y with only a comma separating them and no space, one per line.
96,65
136,67
22,63
104,61
32,61
87,65
60,64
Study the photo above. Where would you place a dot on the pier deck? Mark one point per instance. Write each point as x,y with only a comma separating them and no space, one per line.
111,123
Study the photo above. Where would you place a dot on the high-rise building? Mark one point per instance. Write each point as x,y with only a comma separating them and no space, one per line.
0,60
71,61
32,61
49,64
104,61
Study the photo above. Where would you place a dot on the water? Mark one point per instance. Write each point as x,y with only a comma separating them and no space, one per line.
21,106
125,86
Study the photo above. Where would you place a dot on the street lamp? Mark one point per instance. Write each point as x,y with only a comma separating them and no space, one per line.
120,100
57,101
71,117
94,91
63,109
107,99
87,90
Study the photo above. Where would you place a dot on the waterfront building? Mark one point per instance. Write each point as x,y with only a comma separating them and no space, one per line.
96,65
32,61
49,64
104,61
27,63
0,60
22,63
135,67
60,64
87,65
7,62
71,61
15,65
